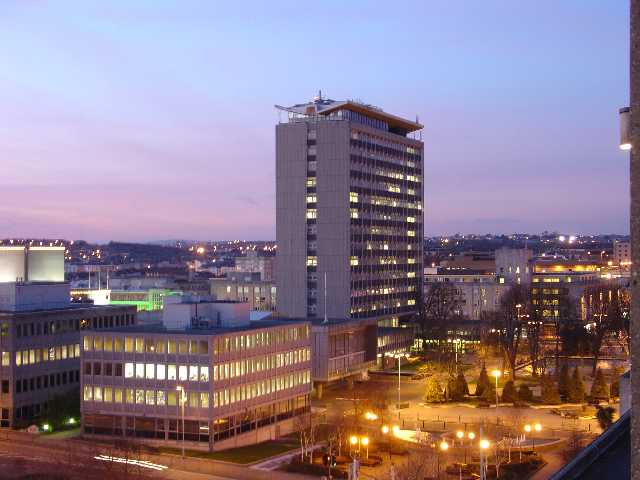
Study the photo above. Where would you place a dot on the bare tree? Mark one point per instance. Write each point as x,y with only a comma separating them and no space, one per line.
442,303
508,322
306,427
606,309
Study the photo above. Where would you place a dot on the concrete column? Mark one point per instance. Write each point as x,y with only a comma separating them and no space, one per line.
635,237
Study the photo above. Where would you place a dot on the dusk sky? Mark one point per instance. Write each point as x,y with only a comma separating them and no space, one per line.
155,120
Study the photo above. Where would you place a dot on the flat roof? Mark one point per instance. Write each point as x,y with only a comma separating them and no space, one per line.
161,329
324,106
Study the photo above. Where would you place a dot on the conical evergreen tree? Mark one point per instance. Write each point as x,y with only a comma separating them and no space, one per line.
483,381
550,394
433,391
599,387
525,394
614,386
563,381
575,392
489,393
451,393
461,384
509,392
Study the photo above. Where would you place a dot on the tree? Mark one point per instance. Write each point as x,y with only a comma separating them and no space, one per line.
441,305
455,390
563,381
489,393
614,387
483,381
509,392
525,394
550,394
534,331
508,322
461,384
306,426
606,310
575,393
605,417
599,387
433,391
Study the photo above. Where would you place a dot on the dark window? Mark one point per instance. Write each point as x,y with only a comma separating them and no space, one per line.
77,376
87,368
5,386
97,368
118,369
18,386
32,384
18,330
64,378
57,379
108,369
46,381
52,380
39,383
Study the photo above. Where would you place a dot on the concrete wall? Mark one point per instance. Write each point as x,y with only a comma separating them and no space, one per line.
291,228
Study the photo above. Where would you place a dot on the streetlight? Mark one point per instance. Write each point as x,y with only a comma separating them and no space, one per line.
180,389
496,373
399,356
484,445
365,442
395,429
536,427
444,446
385,429
355,440
370,416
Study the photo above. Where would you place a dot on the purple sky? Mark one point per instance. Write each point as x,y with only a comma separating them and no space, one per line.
156,120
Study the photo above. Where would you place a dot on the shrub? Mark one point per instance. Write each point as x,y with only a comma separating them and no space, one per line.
509,392
605,417
433,391
599,387
525,394
575,392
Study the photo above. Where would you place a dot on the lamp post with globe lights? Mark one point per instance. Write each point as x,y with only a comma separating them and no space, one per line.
399,356
496,374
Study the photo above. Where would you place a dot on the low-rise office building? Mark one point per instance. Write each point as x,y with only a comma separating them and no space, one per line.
245,287
40,333
232,382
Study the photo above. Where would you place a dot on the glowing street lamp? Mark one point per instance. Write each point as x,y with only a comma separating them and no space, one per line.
385,429
365,442
484,445
399,356
496,374
370,416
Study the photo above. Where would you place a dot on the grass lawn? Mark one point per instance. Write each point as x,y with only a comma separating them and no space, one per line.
242,455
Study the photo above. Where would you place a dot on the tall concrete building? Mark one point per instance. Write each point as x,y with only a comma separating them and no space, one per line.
349,208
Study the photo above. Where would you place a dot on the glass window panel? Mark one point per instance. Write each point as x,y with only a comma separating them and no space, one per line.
182,346
172,346
108,344
160,371
193,373
88,393
204,374
139,345
117,395
128,344
97,394
182,373
117,344
171,372
128,370
140,396
150,370
204,399
129,395
161,398
151,397
172,398
139,370
108,394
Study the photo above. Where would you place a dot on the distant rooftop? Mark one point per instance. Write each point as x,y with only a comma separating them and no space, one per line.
326,107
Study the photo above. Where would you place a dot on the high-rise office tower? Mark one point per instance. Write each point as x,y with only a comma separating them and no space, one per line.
349,208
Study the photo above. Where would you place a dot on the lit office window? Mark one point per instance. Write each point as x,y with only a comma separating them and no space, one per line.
161,371
161,398
150,370
151,397
117,395
128,370
97,394
88,393
139,345
204,399
139,370
182,373
171,372
108,394
140,396
193,373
